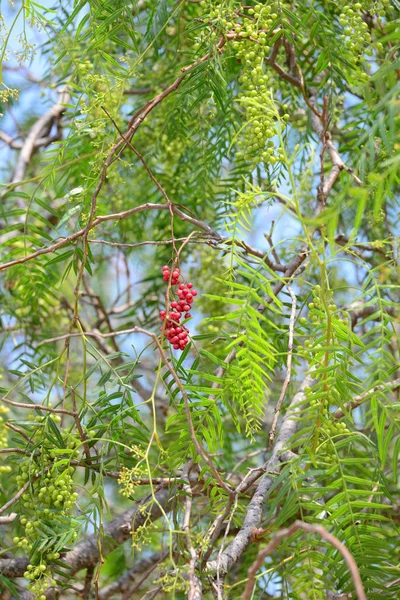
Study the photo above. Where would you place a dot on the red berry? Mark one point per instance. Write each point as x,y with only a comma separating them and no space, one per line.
182,336
175,339
186,307
189,298
165,268
188,316
194,293
179,293
178,330
189,285
176,346
174,305
182,345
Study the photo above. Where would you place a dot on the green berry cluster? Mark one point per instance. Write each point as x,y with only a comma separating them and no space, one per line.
315,350
251,29
355,31
172,149
47,501
328,427
356,35
312,350
256,96
3,430
40,577
217,14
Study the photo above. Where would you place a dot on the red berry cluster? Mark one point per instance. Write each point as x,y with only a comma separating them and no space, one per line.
177,334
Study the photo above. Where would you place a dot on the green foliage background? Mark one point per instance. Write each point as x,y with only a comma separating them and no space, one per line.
270,134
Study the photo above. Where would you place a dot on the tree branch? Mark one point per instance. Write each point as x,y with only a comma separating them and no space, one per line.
358,400
284,533
123,583
254,511
87,553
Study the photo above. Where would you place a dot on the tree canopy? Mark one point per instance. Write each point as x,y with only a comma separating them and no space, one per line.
199,280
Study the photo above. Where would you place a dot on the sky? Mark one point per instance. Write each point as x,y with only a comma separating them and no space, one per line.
31,100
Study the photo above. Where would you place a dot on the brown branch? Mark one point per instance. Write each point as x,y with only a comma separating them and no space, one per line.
102,219
15,451
19,431
284,533
88,583
358,400
13,567
357,312
343,240
317,122
138,244
33,406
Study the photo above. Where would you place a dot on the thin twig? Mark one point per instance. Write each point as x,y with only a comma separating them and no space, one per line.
18,495
88,583
33,406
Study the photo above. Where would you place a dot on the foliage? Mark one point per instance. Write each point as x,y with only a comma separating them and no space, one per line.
256,148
